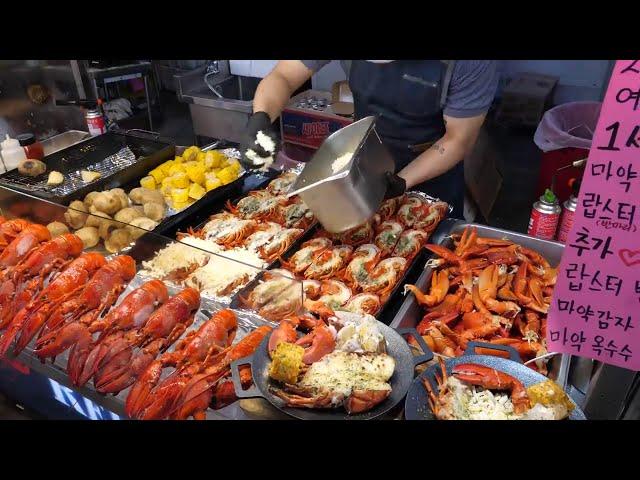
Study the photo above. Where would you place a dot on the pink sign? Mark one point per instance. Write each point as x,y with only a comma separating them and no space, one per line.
595,311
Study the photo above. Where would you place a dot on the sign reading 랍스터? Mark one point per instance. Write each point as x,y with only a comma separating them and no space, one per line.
595,311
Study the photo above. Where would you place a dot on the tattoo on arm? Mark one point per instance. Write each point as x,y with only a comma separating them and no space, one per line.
440,149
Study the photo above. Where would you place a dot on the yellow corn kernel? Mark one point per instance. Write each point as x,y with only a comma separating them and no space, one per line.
196,191
180,180
148,182
164,167
200,156
211,160
180,195
191,154
227,175
196,173
176,168
212,184
158,175
178,159
180,205
235,165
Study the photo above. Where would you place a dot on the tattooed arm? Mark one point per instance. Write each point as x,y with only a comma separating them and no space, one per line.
459,138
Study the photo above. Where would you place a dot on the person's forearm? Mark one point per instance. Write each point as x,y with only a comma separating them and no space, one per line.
440,158
272,95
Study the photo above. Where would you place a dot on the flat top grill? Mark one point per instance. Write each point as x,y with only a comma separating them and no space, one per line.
109,154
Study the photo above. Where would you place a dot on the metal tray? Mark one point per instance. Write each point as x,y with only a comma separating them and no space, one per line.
410,312
91,154
385,315
56,370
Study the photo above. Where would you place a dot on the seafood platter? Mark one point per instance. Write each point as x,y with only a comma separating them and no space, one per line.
90,318
227,250
152,349
488,285
346,366
484,387
358,271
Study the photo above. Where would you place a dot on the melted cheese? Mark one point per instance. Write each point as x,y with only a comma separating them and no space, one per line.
343,372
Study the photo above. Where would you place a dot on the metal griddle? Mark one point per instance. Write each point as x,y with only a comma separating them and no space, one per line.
120,158
397,348
416,405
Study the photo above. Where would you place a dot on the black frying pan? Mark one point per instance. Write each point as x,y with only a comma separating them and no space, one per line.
416,406
400,382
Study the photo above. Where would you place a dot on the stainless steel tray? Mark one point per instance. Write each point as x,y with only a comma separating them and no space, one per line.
410,313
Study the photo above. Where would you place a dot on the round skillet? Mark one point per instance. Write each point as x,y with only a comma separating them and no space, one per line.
416,406
400,382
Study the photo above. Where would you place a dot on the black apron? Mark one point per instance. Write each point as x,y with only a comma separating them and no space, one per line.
407,97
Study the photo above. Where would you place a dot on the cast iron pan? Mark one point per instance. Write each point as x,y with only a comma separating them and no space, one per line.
400,382
416,406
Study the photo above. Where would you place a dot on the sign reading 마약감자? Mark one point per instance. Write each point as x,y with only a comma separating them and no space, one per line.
595,311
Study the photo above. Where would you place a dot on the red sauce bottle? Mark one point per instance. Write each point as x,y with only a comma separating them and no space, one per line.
32,148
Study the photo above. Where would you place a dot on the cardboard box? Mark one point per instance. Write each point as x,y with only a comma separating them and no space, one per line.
308,127
481,176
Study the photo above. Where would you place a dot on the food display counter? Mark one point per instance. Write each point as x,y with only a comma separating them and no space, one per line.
118,331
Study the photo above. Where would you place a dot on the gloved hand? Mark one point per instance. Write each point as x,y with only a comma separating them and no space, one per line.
396,185
260,142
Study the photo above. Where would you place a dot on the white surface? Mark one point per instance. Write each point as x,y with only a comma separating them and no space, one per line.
251,68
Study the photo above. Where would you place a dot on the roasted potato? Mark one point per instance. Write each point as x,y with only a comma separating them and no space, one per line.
142,196
143,223
31,167
55,178
89,236
122,196
57,228
107,202
127,214
88,199
76,216
97,218
154,211
119,238
88,176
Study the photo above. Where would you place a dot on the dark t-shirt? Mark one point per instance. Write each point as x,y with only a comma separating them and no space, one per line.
471,91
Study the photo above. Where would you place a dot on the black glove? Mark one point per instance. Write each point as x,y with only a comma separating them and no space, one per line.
253,154
396,185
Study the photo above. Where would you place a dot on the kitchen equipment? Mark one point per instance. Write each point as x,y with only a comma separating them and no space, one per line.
63,140
397,348
220,106
119,156
410,313
345,197
416,405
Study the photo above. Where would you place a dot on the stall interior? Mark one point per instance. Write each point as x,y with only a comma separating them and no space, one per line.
127,326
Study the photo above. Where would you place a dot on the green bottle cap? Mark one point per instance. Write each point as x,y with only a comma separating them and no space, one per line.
549,196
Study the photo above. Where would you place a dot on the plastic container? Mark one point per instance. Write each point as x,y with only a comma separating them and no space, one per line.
564,135
12,153
32,147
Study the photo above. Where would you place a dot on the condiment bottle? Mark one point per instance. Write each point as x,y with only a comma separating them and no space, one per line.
32,148
12,153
